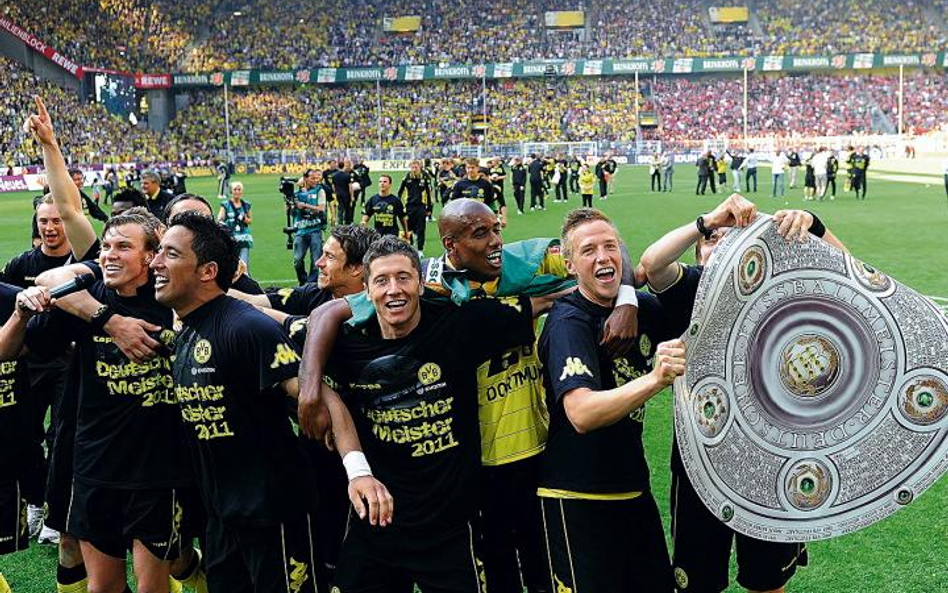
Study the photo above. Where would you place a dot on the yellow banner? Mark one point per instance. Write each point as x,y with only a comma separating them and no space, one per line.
401,24
729,14
565,19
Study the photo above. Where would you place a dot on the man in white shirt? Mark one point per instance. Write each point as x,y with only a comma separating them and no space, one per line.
778,167
819,171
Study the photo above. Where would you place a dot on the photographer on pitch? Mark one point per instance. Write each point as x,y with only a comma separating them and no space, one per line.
309,218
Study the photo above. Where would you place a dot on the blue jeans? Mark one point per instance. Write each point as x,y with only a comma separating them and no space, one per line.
778,179
244,255
312,242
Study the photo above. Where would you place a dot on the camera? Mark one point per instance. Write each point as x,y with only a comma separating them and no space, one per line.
287,188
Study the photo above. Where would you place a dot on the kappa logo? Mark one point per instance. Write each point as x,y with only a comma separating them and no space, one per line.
285,294
298,575
297,326
201,352
284,355
512,302
574,366
561,586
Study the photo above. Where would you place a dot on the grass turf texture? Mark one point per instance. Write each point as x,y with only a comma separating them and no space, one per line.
899,229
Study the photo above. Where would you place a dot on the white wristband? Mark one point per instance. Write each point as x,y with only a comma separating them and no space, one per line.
627,296
357,466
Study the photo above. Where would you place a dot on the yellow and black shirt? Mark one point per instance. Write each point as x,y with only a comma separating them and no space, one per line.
385,212
16,419
414,403
607,463
230,360
128,429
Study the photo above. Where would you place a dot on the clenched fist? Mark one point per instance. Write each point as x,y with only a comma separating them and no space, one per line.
669,362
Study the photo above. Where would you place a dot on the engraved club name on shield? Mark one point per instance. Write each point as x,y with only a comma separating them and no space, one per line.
815,401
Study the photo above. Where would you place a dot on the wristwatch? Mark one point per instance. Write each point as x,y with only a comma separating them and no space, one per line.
101,316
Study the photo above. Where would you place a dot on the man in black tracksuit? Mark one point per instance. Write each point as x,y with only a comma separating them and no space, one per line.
417,203
519,173
536,183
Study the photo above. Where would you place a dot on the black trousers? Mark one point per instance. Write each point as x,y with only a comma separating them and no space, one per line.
520,193
47,380
603,187
714,187
536,193
417,218
831,182
656,179
859,185
561,193
511,528
747,180
702,184
574,183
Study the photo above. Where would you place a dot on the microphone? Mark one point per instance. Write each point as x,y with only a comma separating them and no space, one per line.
78,283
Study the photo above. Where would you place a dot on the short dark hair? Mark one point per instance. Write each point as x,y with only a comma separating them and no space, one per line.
73,171
166,213
385,246
577,218
355,240
143,218
130,194
387,176
211,242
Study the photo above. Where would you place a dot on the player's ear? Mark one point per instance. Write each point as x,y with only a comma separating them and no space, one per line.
209,271
448,243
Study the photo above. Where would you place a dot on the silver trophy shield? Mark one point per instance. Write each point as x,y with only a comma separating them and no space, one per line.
815,400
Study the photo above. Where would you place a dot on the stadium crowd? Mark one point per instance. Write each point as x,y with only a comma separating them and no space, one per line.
161,35
92,135
329,119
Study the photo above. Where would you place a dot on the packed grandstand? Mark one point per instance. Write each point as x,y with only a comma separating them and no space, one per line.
256,34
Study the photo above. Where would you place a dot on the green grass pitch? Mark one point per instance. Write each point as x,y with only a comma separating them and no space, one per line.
899,229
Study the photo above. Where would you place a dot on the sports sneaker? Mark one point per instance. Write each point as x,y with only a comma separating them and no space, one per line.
34,519
48,536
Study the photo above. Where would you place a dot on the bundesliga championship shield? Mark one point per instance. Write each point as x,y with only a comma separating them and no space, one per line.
816,393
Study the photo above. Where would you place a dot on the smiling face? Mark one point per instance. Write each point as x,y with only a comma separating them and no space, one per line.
478,246
394,286
596,261
51,229
124,258
335,275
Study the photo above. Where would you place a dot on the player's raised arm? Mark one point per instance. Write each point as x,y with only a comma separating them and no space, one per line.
79,230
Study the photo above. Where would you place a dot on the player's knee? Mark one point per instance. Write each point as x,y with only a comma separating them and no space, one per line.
70,554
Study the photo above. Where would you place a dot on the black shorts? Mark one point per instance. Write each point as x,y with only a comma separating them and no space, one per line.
59,479
604,546
111,519
381,560
702,547
14,531
274,558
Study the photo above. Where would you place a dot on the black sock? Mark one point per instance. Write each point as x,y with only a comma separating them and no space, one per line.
68,576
